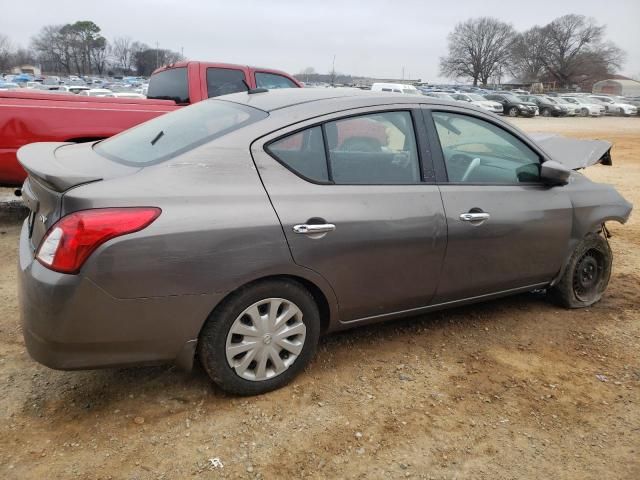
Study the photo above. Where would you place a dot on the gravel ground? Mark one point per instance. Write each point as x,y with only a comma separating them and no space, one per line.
510,389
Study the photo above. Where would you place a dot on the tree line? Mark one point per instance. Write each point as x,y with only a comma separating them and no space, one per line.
80,49
570,50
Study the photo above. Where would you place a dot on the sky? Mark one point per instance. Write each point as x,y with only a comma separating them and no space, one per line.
377,38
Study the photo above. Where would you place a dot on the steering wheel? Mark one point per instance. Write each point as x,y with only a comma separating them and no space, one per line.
475,163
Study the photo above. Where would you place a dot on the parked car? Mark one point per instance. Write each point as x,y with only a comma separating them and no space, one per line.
8,85
478,101
394,87
614,106
573,110
96,92
32,117
242,228
73,88
442,95
546,106
587,107
635,101
128,95
514,106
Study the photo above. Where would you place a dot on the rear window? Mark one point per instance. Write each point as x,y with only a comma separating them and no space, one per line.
170,85
174,133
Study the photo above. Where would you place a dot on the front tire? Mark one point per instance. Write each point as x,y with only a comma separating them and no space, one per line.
260,337
513,112
546,112
586,275
584,112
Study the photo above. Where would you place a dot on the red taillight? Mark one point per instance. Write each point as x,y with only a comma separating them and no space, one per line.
73,238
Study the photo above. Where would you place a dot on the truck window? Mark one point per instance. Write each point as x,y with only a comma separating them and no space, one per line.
170,84
272,80
222,81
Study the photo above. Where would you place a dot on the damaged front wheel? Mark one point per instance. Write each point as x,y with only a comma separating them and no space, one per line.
586,275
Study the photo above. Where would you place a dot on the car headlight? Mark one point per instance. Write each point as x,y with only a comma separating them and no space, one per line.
520,105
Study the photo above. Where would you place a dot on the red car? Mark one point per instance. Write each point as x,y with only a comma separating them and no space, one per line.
30,116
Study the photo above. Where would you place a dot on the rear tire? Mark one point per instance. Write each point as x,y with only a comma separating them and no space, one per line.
586,275
239,312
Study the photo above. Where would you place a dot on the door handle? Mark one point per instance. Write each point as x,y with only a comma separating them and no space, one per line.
474,217
305,229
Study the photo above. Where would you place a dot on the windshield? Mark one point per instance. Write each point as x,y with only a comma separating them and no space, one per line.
476,98
177,132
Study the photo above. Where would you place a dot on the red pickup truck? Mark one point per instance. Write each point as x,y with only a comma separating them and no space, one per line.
29,116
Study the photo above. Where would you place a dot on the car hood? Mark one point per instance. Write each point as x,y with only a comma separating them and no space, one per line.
574,153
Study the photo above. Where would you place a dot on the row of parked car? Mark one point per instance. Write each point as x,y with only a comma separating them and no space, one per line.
122,87
522,103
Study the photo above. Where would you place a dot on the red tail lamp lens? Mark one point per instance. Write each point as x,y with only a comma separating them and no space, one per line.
69,242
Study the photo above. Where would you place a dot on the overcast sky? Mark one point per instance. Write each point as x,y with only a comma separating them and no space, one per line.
369,37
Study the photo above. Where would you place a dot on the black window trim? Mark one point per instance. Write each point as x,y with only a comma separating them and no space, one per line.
437,152
422,145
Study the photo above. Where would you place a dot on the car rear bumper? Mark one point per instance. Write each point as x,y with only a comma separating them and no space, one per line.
71,323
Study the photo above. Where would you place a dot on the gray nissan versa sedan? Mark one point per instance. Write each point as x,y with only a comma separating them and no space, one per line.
240,229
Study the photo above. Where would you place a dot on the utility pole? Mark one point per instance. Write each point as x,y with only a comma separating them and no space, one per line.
333,71
157,55
402,73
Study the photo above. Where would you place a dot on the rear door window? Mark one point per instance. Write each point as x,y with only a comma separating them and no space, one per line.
169,85
222,81
273,81
303,153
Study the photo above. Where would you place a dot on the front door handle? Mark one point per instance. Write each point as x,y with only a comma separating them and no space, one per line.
474,217
306,229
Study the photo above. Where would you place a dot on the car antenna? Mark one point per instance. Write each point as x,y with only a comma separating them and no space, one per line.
253,90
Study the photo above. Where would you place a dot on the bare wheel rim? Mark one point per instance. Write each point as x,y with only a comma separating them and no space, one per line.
587,276
265,339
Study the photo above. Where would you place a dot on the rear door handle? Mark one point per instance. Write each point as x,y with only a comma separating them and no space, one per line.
306,229
474,217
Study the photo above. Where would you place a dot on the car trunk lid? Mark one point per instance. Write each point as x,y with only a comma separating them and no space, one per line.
53,168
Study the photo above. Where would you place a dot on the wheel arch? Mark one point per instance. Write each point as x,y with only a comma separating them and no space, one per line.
323,296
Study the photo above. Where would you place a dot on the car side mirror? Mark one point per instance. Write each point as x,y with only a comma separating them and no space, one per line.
554,173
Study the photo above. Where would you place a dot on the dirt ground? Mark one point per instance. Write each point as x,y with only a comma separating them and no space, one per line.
511,389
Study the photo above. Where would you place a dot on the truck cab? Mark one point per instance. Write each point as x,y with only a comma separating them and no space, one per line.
190,82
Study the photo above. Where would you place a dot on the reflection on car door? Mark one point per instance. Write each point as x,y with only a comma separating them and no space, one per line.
506,230
386,250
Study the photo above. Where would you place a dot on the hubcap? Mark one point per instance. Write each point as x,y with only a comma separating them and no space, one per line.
587,275
265,339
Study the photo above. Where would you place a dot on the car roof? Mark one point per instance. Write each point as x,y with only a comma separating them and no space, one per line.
334,97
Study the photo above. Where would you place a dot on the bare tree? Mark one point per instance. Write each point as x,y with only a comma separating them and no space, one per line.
6,53
124,49
71,48
527,52
574,46
477,48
